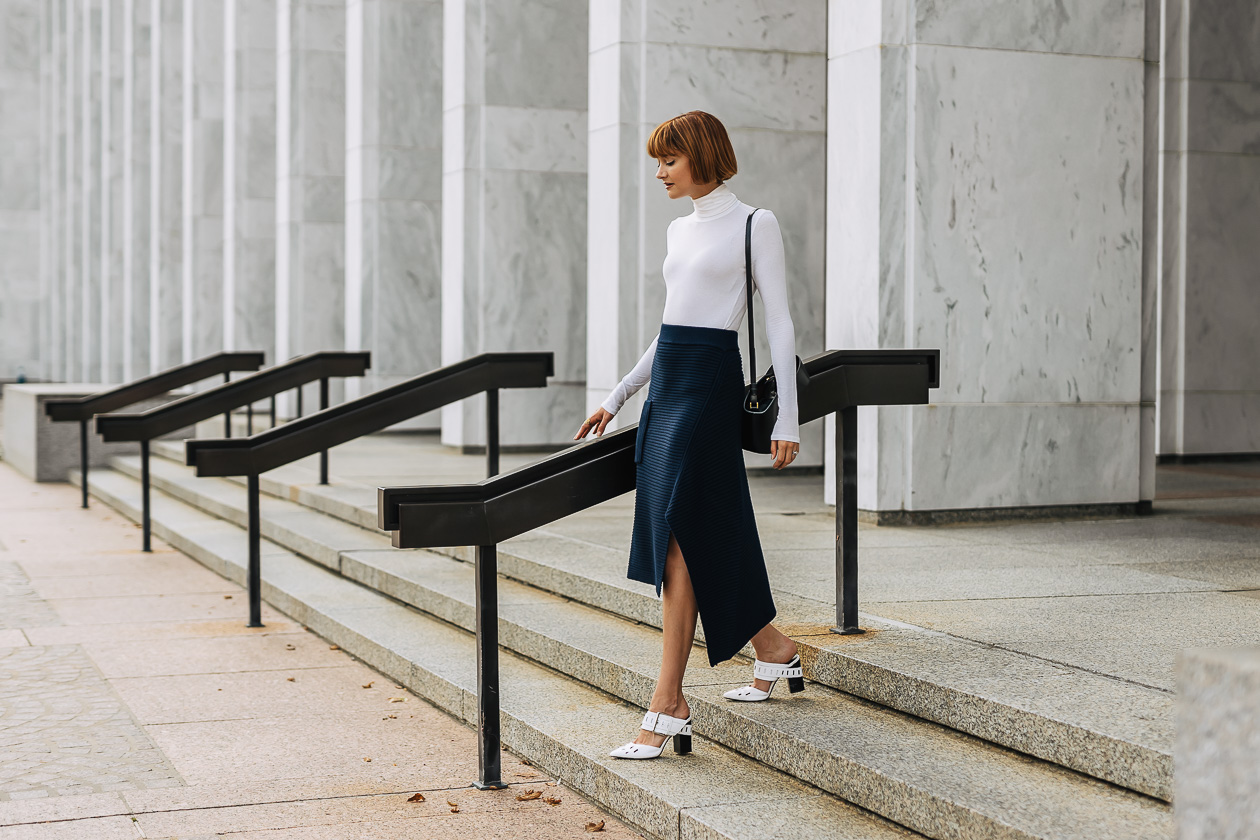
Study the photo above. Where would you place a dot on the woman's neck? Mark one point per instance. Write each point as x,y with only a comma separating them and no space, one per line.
715,203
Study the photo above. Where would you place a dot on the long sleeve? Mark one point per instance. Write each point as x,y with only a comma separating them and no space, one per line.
770,281
633,381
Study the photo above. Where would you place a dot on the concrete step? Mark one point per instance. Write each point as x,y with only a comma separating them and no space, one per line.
561,725
901,767
1110,729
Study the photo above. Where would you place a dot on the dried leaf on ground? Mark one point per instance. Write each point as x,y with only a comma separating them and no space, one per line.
289,647
397,699
369,685
292,679
525,761
334,647
551,800
367,759
529,794
227,597
417,797
595,826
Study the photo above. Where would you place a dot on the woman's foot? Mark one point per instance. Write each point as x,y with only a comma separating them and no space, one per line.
674,708
780,652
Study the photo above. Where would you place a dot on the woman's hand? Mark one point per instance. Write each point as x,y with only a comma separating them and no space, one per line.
595,423
783,452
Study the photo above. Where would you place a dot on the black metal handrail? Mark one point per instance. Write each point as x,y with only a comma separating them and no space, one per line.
163,419
500,507
83,409
373,412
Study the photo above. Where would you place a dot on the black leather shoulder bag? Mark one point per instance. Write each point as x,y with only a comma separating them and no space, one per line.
761,397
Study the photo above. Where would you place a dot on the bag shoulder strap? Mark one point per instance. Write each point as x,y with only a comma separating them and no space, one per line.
752,346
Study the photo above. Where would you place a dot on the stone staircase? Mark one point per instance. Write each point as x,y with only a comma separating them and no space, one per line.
902,732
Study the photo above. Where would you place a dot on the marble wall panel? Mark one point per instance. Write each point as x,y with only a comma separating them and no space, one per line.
1222,38
1221,254
50,174
1030,220
974,456
166,181
1150,254
68,288
989,202
20,189
91,325
394,189
202,262
310,179
249,176
113,129
1210,170
513,220
739,24
135,208
1113,28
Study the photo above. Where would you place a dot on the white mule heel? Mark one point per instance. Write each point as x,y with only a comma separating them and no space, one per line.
662,724
771,671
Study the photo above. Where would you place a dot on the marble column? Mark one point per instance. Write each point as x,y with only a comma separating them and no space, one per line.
1147,438
984,198
310,178
1209,387
112,315
166,159
90,202
249,176
394,189
71,227
52,25
20,188
514,205
135,221
202,244
759,68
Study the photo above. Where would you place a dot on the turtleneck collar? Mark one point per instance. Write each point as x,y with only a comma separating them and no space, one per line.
716,203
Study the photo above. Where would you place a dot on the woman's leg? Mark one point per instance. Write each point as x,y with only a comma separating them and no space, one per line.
772,646
678,608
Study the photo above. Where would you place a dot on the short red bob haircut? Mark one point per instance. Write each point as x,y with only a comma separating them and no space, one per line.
702,138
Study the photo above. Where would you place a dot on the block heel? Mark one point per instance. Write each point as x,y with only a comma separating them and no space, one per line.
679,729
772,672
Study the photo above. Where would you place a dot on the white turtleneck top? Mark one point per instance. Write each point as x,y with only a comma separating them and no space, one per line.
704,287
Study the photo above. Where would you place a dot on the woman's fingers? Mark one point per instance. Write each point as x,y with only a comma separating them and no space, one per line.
783,452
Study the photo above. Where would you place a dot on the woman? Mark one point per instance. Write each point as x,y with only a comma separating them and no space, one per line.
694,532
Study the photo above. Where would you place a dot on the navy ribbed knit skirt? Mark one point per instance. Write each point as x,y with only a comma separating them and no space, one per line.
691,481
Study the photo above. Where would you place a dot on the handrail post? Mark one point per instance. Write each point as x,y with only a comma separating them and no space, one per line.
255,555
227,417
144,495
489,756
83,458
846,523
249,420
273,412
492,432
323,456
299,401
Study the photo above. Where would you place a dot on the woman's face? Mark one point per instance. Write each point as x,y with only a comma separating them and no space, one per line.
674,171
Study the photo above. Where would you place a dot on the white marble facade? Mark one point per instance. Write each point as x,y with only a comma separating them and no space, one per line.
1058,194
310,179
985,198
249,175
514,205
759,68
22,206
1209,250
394,190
